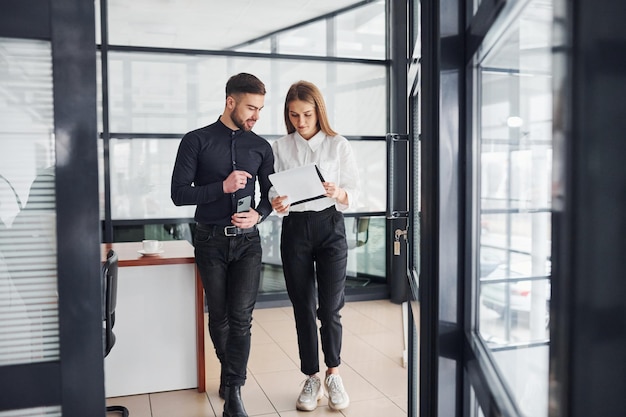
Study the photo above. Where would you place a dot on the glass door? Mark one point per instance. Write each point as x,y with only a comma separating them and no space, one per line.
51,352
28,244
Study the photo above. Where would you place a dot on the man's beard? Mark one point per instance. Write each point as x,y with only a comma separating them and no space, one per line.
240,123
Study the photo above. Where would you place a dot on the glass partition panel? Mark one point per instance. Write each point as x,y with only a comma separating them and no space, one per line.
365,235
168,93
263,46
141,173
513,221
304,40
360,33
193,24
28,249
372,173
366,251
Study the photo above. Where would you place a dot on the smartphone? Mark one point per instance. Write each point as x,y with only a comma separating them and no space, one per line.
243,204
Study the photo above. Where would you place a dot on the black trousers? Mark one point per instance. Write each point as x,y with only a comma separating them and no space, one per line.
230,268
314,251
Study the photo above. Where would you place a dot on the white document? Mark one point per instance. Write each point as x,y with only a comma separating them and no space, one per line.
299,184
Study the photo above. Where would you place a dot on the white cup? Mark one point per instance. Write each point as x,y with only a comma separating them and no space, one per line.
151,246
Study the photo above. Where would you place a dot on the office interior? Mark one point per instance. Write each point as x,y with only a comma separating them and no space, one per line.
490,141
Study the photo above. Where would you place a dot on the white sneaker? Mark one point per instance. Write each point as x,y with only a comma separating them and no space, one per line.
311,393
337,397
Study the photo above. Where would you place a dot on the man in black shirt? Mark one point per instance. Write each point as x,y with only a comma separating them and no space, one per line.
216,166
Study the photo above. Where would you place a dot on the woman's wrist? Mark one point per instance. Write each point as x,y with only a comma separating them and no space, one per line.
343,197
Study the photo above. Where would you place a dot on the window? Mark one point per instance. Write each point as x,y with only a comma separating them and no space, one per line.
165,93
166,79
513,215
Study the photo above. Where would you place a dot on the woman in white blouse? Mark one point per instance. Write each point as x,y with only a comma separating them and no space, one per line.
313,240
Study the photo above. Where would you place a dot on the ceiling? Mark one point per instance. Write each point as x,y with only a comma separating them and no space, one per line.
207,24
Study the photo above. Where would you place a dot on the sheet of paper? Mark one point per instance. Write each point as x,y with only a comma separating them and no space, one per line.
302,183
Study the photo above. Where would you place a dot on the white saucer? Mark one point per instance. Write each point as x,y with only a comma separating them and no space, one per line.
144,253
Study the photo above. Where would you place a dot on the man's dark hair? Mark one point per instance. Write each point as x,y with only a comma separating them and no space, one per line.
244,83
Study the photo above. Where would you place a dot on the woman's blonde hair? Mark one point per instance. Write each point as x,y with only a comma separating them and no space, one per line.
308,92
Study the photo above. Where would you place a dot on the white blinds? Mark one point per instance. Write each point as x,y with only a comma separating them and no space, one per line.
29,329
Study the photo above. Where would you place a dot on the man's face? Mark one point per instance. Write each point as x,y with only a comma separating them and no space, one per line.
245,110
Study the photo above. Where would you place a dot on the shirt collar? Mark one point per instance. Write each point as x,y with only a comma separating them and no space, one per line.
230,131
314,143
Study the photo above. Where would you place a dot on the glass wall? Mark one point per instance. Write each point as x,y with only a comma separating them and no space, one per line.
172,93
28,252
162,80
196,24
512,217
359,33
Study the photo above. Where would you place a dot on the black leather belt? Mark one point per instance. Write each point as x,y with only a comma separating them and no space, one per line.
227,230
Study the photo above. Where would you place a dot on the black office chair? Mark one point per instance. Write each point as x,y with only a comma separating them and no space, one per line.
360,232
109,277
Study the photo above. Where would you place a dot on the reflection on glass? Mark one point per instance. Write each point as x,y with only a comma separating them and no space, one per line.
515,120
475,410
164,93
28,268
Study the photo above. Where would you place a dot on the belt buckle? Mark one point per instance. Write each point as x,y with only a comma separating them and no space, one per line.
234,233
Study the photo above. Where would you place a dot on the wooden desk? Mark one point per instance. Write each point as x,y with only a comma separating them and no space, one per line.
178,253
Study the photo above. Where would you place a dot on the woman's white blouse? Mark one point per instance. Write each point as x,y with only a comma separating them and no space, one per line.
332,154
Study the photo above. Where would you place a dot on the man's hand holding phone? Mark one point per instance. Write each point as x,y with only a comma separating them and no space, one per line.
246,216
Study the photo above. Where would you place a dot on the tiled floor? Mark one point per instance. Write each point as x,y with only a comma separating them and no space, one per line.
372,370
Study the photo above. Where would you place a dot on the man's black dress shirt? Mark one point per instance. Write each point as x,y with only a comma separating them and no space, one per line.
206,156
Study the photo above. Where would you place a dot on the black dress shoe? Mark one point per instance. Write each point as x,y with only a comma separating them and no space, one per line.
233,406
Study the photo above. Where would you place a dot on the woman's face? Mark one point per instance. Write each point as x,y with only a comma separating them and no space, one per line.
303,116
